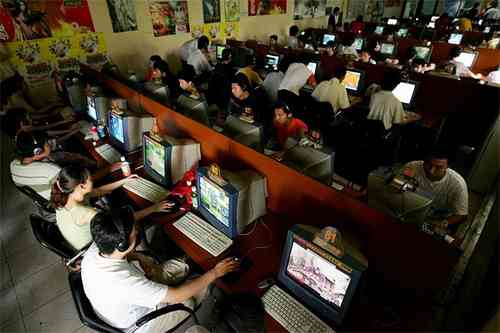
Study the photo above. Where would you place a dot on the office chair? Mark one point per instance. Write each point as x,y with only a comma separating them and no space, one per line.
48,235
43,205
90,319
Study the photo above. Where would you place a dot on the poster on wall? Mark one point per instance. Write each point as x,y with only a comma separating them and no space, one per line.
122,14
266,7
35,19
309,9
212,31
197,30
64,53
169,17
230,30
31,60
232,10
92,49
211,11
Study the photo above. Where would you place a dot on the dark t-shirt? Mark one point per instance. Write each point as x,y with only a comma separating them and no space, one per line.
237,107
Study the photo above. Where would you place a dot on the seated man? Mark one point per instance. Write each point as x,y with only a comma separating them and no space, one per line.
347,48
286,126
385,107
199,58
121,292
333,91
451,202
296,77
366,57
192,103
251,74
243,103
153,73
293,41
273,43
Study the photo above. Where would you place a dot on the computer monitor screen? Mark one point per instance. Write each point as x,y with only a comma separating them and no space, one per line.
480,22
312,67
352,80
387,48
327,38
379,30
392,21
318,275
487,30
272,61
434,18
423,52
455,39
402,33
215,200
116,127
404,92
154,156
467,58
431,25
218,51
358,43
91,110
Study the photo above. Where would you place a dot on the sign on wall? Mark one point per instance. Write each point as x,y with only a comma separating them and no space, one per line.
211,11
309,9
36,19
266,7
169,17
122,14
232,10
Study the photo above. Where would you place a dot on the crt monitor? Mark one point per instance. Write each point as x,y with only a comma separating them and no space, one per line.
327,38
402,33
468,58
322,282
167,159
218,51
405,92
379,30
233,201
312,66
388,49
359,42
272,61
455,39
126,128
97,108
196,109
423,52
309,161
392,21
250,135
353,80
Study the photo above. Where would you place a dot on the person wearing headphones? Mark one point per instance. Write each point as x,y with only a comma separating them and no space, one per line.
70,198
243,103
121,292
286,126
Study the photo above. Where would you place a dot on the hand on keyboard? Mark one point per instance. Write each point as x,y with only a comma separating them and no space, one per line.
226,266
163,207
132,177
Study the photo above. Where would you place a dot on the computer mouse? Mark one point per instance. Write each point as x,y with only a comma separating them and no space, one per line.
177,200
233,277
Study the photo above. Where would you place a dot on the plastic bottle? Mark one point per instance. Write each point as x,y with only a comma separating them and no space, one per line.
101,130
194,197
125,167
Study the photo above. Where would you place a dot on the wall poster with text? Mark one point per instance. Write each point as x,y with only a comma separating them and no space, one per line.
123,16
309,9
169,17
232,10
266,7
36,19
211,11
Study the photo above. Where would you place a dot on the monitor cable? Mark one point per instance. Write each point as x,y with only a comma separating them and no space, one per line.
261,247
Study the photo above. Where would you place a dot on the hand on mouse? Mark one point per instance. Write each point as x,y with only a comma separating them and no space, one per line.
225,266
163,207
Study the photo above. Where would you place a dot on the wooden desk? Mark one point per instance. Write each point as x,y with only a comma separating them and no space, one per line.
402,260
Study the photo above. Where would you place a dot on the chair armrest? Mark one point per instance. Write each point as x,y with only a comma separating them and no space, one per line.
167,309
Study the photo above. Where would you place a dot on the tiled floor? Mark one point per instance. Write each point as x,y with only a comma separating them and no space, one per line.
34,291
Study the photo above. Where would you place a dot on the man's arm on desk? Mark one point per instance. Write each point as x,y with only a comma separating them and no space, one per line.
195,286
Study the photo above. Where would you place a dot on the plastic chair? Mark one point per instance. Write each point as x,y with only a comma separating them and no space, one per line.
90,319
48,235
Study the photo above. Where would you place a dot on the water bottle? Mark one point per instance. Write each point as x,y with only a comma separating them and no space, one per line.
194,198
101,130
125,167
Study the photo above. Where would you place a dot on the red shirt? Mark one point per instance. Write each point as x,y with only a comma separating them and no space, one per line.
357,27
292,129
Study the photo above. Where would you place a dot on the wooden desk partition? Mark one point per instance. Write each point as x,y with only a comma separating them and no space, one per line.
399,255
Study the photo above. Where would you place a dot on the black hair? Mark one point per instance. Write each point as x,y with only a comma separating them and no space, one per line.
439,152
68,179
455,52
105,231
390,81
494,4
293,31
336,9
28,142
477,4
187,73
418,61
359,18
241,80
203,42
340,72
280,104
275,37
161,65
348,40
226,54
330,44
154,58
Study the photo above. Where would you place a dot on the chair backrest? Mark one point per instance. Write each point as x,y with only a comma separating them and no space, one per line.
48,235
85,310
37,198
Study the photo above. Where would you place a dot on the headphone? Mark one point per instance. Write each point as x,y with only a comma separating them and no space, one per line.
36,144
123,244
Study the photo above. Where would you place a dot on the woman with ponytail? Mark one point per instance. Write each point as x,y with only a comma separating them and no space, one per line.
69,197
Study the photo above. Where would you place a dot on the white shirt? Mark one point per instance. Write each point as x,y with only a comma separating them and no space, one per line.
384,106
38,175
272,84
333,92
118,291
494,77
450,193
492,14
295,78
187,48
293,42
199,61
